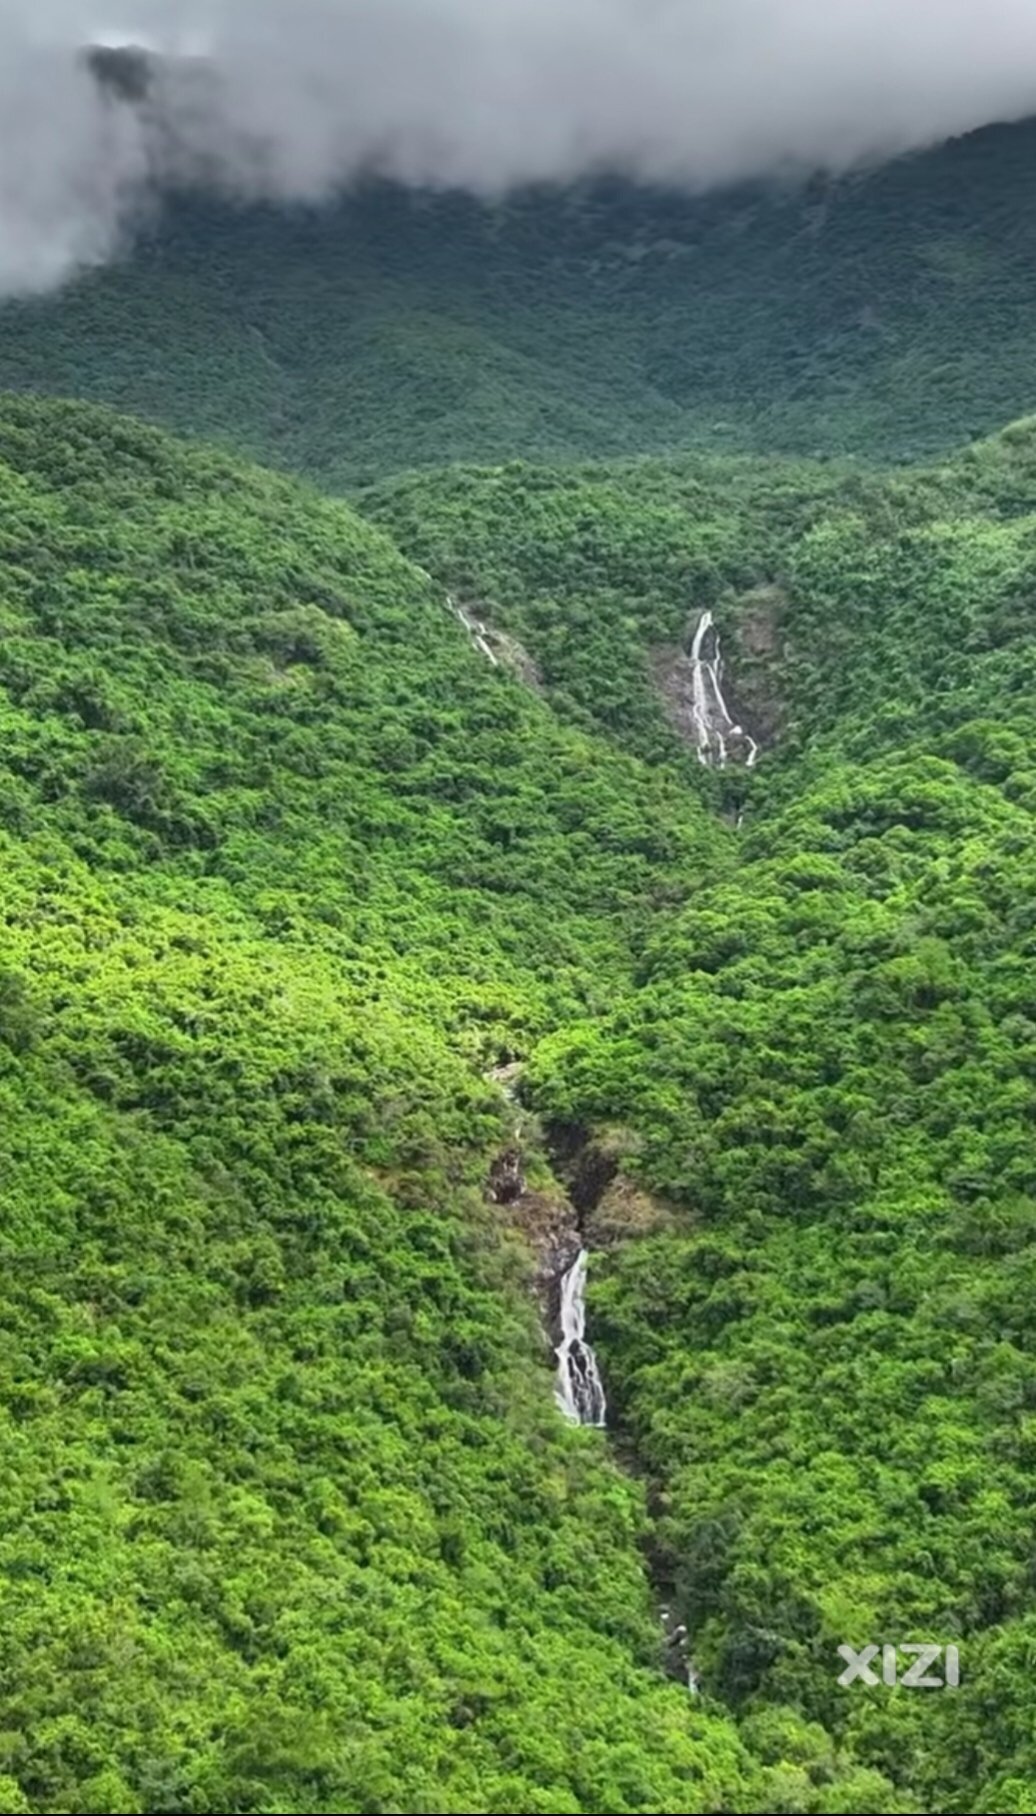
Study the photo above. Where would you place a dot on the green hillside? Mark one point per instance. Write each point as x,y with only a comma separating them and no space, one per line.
821,1349
884,314
290,1520
313,918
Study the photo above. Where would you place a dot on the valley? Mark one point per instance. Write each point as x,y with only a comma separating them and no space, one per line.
518,1002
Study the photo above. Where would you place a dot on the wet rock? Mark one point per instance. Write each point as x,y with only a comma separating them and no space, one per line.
549,1225
698,697
676,1659
506,1179
498,647
515,656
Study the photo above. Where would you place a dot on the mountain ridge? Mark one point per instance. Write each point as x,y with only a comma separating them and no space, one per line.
324,931
883,315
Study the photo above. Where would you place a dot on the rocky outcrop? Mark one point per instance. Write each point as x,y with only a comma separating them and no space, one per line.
609,1205
549,1225
498,647
756,618
506,1179
623,1211
597,1205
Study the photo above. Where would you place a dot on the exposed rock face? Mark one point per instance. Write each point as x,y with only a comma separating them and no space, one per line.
589,1163
506,1179
549,1226
595,1168
597,1205
498,647
516,657
624,1210
548,1220
757,618
607,1204
676,1659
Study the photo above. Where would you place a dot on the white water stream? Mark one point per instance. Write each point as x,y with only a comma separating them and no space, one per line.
713,726
475,628
579,1393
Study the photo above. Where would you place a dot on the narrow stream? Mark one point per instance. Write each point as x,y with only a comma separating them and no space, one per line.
579,1392
475,628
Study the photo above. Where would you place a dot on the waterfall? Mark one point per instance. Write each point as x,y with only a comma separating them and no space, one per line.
475,628
713,725
579,1393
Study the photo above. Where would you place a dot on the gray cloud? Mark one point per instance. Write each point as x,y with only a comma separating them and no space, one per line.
292,98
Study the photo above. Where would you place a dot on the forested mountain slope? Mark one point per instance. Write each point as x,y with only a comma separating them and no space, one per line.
289,1518
861,607
823,1353
886,313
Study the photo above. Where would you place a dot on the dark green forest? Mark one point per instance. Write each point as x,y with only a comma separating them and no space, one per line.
884,314
289,871
823,1354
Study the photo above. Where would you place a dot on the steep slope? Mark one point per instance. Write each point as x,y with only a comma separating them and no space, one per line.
819,1344
289,1518
864,607
888,313
288,866
827,1363
603,571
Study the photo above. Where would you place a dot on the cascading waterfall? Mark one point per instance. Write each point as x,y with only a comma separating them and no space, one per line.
475,628
713,725
579,1393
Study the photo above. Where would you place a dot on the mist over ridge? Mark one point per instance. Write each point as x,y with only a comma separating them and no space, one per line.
295,101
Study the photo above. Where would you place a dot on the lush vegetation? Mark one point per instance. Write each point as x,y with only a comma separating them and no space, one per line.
824,1356
597,569
887,313
289,1519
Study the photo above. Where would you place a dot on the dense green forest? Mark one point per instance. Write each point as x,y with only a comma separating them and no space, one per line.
822,1355
291,872
887,313
289,1518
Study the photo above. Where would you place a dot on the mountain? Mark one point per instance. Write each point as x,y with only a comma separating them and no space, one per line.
289,1515
824,1359
379,935
886,314
291,870
803,1138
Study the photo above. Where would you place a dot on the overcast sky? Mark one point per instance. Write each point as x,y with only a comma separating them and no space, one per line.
300,94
